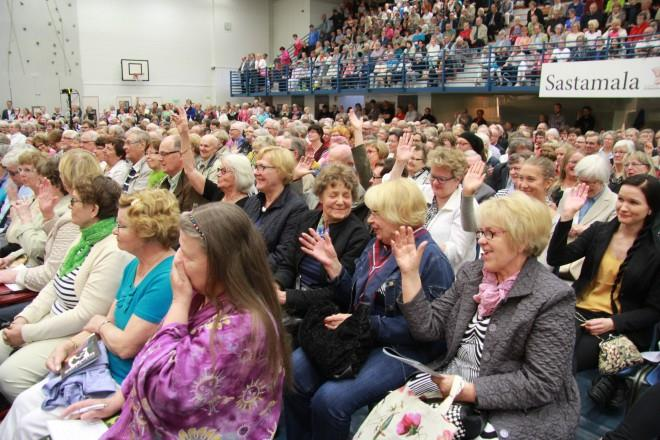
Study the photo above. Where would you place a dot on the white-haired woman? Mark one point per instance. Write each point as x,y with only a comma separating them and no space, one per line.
619,153
235,176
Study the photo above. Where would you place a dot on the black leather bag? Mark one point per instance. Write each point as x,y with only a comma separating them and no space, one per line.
340,353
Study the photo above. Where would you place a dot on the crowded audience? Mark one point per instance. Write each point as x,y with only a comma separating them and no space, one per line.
352,229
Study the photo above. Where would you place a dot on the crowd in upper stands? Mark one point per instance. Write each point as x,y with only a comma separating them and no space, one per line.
375,44
379,222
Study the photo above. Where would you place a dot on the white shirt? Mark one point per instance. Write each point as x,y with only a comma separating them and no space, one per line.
119,171
17,138
447,231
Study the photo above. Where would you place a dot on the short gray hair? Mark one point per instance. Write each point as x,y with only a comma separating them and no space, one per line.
242,171
625,143
593,167
11,158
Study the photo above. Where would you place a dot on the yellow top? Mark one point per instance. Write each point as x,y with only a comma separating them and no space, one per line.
597,298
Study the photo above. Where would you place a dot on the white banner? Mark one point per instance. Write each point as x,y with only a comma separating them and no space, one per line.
620,78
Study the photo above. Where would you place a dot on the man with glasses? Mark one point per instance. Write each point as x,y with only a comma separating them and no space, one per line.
138,175
176,181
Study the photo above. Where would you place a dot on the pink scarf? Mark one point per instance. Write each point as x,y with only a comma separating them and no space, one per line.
492,294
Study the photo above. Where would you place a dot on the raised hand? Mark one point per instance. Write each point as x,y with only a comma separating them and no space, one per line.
406,253
321,248
575,199
356,122
474,178
303,167
180,120
47,199
404,150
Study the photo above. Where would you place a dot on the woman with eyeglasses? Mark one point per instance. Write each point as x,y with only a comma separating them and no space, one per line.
84,286
507,322
443,217
147,227
216,367
638,162
57,176
235,178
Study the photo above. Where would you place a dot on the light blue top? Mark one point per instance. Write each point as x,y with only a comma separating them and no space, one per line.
150,300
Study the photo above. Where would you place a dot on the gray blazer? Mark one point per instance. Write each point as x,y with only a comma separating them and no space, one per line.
525,385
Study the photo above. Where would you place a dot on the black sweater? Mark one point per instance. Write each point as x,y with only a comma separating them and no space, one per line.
639,292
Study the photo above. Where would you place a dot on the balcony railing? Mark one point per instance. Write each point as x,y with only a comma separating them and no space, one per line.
490,69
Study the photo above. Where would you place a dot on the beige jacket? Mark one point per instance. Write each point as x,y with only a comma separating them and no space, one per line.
62,234
32,236
96,287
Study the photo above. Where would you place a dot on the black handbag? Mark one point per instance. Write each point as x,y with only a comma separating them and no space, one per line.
340,353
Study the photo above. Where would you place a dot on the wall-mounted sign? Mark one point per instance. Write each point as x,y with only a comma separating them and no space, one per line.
617,78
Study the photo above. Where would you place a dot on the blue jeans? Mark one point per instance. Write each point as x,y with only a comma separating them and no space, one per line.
319,409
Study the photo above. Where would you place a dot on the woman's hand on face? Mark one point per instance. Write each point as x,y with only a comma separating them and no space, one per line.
322,249
474,178
599,326
406,253
333,321
58,356
112,406
575,199
182,289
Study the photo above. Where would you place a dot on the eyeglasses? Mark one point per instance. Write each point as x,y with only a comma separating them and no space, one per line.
120,226
488,234
74,201
224,171
25,170
441,179
167,153
416,159
262,168
635,164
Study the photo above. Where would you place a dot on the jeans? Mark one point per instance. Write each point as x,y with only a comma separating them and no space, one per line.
321,409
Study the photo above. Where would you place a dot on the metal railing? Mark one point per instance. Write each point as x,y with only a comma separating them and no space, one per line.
491,68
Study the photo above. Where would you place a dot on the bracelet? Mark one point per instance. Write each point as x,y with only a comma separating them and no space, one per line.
75,346
98,330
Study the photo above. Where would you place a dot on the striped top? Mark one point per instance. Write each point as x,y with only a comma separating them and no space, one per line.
467,361
66,298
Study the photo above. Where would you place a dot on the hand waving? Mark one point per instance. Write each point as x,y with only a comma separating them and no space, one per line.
303,167
321,248
575,199
474,178
406,252
47,199
404,150
356,122
180,119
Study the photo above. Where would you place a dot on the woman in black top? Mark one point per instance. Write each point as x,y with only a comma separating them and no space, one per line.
336,187
618,289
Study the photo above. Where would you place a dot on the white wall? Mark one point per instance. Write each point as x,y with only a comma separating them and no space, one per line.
45,55
174,36
250,27
320,7
288,17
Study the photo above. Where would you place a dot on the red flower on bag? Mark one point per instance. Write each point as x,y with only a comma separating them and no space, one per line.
446,435
409,424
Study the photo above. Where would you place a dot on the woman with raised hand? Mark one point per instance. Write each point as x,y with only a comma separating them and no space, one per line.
320,407
216,367
617,290
147,227
507,324
84,286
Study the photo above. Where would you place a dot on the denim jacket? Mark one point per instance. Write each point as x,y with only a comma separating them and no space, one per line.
388,325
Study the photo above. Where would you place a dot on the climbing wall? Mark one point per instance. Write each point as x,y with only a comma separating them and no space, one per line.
39,51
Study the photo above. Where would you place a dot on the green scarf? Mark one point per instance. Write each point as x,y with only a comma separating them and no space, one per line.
90,236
